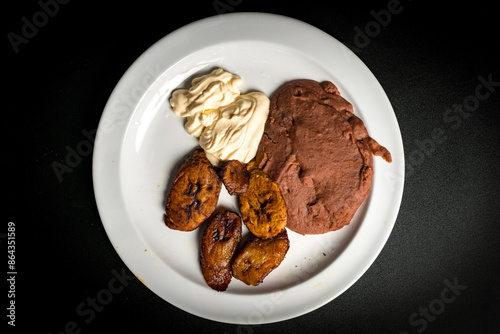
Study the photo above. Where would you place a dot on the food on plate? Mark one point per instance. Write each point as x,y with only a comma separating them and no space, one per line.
235,177
194,193
219,244
258,257
229,125
262,206
301,160
320,155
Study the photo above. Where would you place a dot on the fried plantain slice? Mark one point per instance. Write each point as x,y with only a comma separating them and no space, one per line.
194,193
257,258
251,165
219,244
262,206
235,177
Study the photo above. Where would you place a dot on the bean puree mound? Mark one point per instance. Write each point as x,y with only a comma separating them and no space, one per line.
319,154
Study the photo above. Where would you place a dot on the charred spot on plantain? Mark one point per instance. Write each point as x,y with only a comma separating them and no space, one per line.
266,202
215,236
189,189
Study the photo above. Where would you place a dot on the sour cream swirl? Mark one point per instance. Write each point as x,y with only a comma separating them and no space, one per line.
229,125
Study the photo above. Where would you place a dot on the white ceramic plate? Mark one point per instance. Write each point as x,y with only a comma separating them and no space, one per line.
140,142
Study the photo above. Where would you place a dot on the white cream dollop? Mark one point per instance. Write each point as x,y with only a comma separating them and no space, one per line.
229,125
207,94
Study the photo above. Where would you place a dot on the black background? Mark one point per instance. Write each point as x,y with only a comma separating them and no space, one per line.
427,59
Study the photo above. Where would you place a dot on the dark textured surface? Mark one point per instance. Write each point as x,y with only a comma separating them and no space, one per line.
428,59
